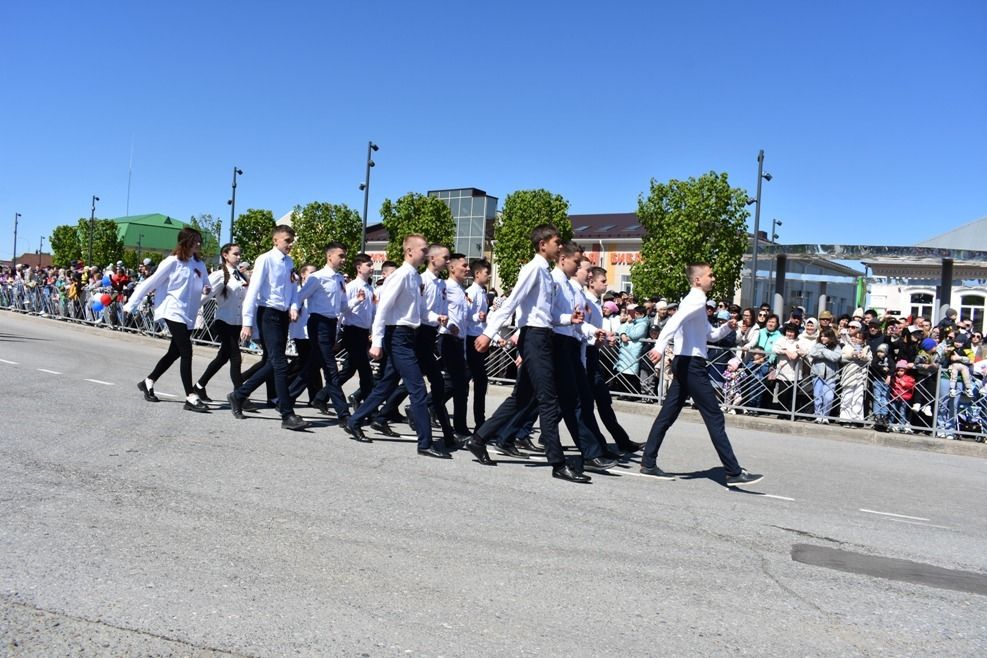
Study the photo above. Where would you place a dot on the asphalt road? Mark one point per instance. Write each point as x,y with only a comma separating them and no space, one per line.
131,528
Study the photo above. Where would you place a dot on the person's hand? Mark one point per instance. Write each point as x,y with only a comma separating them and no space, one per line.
454,330
654,355
245,334
361,294
376,353
293,315
443,320
517,361
482,343
515,338
206,290
732,323
624,338
482,315
601,335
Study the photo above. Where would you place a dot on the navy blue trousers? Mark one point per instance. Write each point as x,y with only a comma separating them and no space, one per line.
274,334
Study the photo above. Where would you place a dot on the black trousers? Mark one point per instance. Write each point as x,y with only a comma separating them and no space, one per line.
274,334
229,352
453,353
356,340
601,396
477,371
425,348
691,379
180,347
575,398
535,381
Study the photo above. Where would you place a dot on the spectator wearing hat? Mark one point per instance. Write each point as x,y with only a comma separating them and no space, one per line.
902,391
856,356
788,362
631,335
661,314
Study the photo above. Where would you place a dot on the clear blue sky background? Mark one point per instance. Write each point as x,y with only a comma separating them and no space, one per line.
873,115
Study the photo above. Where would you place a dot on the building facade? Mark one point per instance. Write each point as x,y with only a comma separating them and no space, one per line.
474,211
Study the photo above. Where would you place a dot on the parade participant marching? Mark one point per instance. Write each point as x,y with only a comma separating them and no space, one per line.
476,322
435,314
228,288
532,297
398,318
358,317
691,332
178,285
452,346
267,306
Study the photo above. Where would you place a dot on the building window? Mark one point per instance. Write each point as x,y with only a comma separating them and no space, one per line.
972,308
921,305
625,283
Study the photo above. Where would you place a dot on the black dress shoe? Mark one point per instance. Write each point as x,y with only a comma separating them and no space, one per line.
353,401
148,392
631,447
198,407
610,454
599,464
396,417
247,405
201,392
235,405
656,472
323,407
356,433
432,451
509,449
408,417
526,444
382,427
479,450
565,472
461,439
294,422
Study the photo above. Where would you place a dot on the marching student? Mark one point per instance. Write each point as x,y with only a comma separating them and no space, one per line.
268,307
532,297
302,371
399,314
229,288
452,346
358,317
596,286
325,293
476,322
178,285
435,314
691,331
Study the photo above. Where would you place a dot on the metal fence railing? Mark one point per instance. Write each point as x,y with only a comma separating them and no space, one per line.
944,402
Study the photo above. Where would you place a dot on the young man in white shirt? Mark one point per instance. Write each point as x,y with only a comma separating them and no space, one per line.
691,332
452,347
358,317
476,297
435,315
532,297
399,314
267,306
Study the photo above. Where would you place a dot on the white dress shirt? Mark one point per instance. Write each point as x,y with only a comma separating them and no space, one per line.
177,286
456,308
400,303
357,312
229,306
298,330
532,296
434,298
325,291
270,285
563,305
690,328
476,299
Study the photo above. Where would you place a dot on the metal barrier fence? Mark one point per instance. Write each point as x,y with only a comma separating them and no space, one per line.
945,403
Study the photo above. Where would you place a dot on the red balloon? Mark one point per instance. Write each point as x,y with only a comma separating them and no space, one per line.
106,299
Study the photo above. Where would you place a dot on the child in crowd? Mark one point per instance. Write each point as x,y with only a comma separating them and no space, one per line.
880,372
856,363
957,354
902,390
733,379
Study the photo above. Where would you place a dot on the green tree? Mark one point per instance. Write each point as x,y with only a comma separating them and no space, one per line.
107,244
252,231
318,224
65,246
209,227
416,213
697,220
523,211
131,260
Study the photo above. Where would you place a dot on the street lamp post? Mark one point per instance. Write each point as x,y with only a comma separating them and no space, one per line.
41,245
13,259
232,201
365,186
140,241
761,175
774,238
92,223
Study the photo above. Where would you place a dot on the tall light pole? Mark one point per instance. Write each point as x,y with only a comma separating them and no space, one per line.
41,245
92,223
140,241
232,201
773,238
13,259
365,186
761,175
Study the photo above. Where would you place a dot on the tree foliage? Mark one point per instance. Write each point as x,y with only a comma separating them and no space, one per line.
523,211
318,224
252,231
209,227
107,244
416,213
65,246
697,220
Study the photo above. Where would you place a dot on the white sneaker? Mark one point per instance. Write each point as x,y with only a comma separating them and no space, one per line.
917,407
953,392
908,430
927,410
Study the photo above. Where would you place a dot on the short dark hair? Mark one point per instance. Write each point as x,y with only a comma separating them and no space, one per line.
794,328
541,233
570,249
332,246
596,272
360,259
283,228
478,265
388,263
457,256
690,270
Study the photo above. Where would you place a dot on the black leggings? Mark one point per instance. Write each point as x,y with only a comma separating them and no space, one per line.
179,347
229,351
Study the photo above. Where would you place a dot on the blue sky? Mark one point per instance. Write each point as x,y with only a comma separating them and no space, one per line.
872,114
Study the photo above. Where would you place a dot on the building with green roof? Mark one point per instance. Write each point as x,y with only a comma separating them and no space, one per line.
149,233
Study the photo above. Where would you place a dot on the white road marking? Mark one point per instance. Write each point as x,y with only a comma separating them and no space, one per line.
778,497
925,525
12,363
897,516
50,372
99,381
167,395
